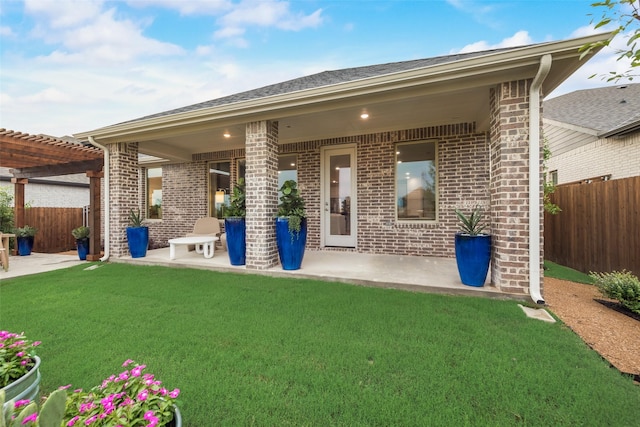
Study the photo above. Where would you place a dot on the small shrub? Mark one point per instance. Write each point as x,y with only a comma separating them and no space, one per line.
619,285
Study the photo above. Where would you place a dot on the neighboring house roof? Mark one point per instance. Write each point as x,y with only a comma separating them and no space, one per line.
606,111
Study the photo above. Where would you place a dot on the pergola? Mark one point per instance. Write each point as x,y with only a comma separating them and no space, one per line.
36,156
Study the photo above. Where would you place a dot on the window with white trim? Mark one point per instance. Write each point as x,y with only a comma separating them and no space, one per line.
416,181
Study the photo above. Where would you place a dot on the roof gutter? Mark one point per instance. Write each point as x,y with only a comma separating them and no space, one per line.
534,179
107,197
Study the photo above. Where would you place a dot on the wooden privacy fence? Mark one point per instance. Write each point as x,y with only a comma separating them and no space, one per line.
599,226
54,228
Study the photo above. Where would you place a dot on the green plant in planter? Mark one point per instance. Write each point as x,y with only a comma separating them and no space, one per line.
292,205
81,232
26,231
15,356
135,218
238,206
25,412
471,224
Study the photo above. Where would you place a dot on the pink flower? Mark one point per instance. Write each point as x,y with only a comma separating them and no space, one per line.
72,421
64,387
150,416
36,343
23,363
20,403
30,419
90,420
143,395
20,354
124,376
127,362
137,371
174,393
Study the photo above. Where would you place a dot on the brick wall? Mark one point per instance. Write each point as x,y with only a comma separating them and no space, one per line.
619,158
509,138
125,193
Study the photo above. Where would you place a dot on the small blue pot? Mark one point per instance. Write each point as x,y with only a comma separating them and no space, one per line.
290,245
235,229
83,248
138,238
473,255
25,245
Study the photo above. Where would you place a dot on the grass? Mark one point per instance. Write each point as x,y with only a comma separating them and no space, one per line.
557,271
253,350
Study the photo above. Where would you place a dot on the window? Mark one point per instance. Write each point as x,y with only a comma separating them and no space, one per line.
154,193
416,181
219,187
554,177
287,168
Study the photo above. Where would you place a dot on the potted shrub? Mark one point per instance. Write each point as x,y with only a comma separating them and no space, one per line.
137,235
19,367
291,226
24,236
81,234
234,225
473,248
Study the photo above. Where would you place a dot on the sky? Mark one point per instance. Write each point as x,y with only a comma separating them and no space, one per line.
69,66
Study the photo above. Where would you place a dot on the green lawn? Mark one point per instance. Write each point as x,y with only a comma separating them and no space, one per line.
557,271
253,350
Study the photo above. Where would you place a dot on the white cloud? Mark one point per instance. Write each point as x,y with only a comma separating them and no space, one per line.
64,13
6,31
49,95
520,38
188,7
266,13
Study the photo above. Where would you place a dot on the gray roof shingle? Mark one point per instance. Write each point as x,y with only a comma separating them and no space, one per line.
603,109
325,78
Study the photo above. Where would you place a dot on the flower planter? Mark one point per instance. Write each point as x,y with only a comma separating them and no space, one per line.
177,418
25,245
235,228
83,248
25,387
473,255
291,245
138,238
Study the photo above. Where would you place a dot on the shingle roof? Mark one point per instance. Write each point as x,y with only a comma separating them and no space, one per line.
604,109
325,78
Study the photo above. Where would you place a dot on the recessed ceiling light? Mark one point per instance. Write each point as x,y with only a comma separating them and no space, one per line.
226,135
293,164
364,115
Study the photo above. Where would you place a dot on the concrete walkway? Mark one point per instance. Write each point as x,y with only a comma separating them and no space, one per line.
37,263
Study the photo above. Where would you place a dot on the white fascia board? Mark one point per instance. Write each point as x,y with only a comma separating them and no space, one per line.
569,126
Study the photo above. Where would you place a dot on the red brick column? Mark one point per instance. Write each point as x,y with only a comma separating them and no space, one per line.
262,193
509,186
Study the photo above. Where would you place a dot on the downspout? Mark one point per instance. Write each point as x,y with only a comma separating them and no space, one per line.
107,195
534,179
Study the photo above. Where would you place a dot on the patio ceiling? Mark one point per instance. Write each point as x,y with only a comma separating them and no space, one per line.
448,93
32,156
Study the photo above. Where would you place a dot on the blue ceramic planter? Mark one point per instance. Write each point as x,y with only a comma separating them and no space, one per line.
25,245
83,248
290,245
235,229
473,255
138,238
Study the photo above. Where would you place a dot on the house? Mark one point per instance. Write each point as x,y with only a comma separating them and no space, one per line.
464,126
593,134
64,191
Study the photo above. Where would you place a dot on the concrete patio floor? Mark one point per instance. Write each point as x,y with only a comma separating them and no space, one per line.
421,274
418,274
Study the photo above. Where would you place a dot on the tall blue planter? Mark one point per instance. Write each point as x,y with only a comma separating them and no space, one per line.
138,238
473,255
25,245
290,245
235,229
83,248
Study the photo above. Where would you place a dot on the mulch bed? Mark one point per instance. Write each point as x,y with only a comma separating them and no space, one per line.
619,308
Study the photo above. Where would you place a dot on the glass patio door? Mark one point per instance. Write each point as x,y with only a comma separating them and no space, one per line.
339,201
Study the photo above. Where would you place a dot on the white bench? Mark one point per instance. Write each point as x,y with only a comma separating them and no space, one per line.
204,245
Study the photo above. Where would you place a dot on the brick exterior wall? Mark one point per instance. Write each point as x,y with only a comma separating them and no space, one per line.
262,194
472,168
618,157
124,188
509,140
